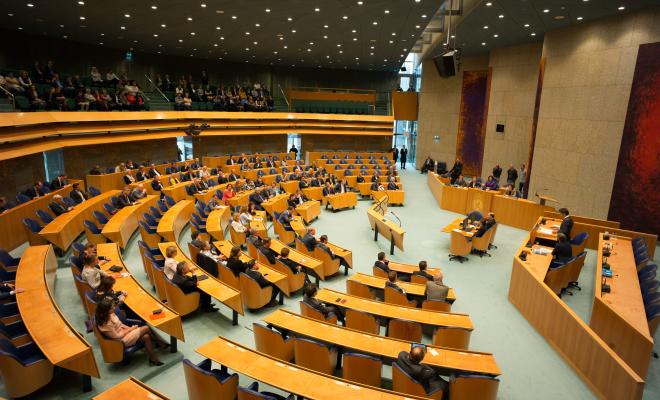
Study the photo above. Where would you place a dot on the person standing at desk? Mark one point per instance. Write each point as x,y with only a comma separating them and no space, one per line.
562,251
566,223
512,175
497,171
404,156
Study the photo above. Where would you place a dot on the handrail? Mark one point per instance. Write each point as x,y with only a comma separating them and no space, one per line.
157,88
284,95
340,90
11,96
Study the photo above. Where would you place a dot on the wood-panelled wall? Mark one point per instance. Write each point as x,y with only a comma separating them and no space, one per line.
79,160
350,143
221,145
19,173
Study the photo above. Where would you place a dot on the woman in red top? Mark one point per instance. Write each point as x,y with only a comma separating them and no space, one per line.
227,194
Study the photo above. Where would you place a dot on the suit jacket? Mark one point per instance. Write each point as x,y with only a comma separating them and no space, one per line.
290,263
359,179
57,183
153,173
339,187
394,286
420,372
236,266
382,265
157,186
257,276
57,208
207,264
392,186
328,191
33,193
424,274
325,248
187,284
317,305
77,196
140,176
123,201
5,292
435,291
562,251
566,227
309,241
128,180
267,252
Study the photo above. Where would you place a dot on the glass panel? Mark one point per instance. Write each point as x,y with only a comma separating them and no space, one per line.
53,164
185,147
294,139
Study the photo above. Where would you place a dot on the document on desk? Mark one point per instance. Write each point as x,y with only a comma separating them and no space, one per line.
546,231
540,251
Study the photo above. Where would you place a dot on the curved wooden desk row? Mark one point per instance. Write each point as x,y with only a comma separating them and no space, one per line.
594,227
175,219
288,377
519,213
600,367
312,156
217,222
13,233
212,286
389,229
619,317
414,289
132,389
221,161
115,180
57,339
64,229
122,225
387,348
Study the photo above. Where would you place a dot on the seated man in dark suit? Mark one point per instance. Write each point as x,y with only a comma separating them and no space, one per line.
422,271
257,199
382,262
196,241
96,170
263,246
341,187
156,185
360,178
566,223
286,217
58,182
188,284
309,240
253,272
58,206
76,194
128,178
222,178
323,245
328,190
232,177
171,169
411,364
141,174
284,259
562,251
391,282
124,199
309,293
391,185
376,186
153,172
485,224
37,190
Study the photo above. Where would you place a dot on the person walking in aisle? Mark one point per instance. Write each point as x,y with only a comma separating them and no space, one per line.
403,155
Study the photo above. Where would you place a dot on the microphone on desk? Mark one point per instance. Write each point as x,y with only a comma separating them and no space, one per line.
397,217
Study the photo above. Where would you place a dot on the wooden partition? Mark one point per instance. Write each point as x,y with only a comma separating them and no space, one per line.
312,156
594,227
13,233
601,368
322,94
220,161
404,106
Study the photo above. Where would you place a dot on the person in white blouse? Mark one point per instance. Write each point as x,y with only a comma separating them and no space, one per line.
237,225
245,217
170,263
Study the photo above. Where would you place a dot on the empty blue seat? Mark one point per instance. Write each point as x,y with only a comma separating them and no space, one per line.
253,392
78,247
155,213
92,227
93,191
7,260
150,220
69,201
170,201
20,362
44,216
162,206
32,225
109,208
649,287
201,376
77,262
578,239
147,228
22,198
100,217
13,331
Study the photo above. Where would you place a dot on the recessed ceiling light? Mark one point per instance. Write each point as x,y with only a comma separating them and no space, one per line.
30,5
203,5
286,47
453,36
10,14
309,49
621,8
526,25
371,54
339,45
423,15
255,43
217,28
247,48
163,26
317,9
546,10
360,3
180,40
155,35
281,38
489,4
257,25
579,18
20,28
375,22
496,35
417,26
532,34
268,10
82,3
215,45
344,17
192,33
417,1
222,38
483,43
341,51
391,41
122,28
485,26
325,36
372,47
82,18
500,16
127,15
355,39
293,31
325,26
152,7
393,33
387,11
233,17
247,33
354,31
189,18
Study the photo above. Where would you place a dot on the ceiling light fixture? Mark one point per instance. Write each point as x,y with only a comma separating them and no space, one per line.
532,34
485,26
375,22
496,35
152,7
500,16
344,17
82,18
317,9
192,33
579,18
30,5
423,15
189,18
203,5
387,11
233,17
546,10
268,10
621,8
127,15
489,4
526,25
289,19
163,25
82,3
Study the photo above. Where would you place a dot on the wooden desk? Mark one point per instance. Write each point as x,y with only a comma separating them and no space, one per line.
13,233
122,225
178,191
314,193
393,196
520,213
175,219
454,198
390,231
211,286
414,289
217,222
310,264
288,377
290,186
342,200
601,368
57,339
241,199
63,230
389,311
408,269
309,210
479,199
276,204
618,317
346,254
258,224
131,389
442,358
298,225
139,299
547,232
106,182
273,276
457,224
